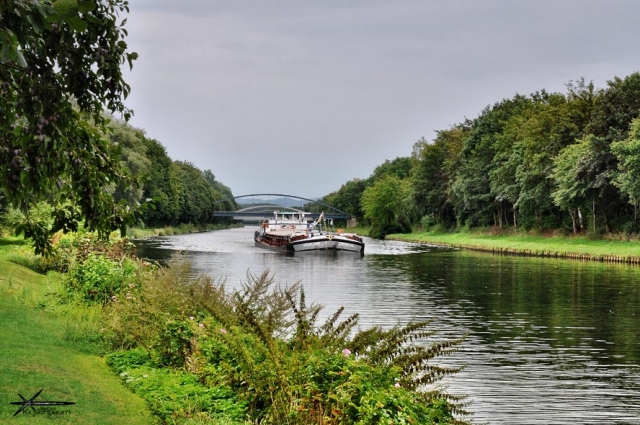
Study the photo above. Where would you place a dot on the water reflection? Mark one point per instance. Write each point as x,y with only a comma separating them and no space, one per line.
550,341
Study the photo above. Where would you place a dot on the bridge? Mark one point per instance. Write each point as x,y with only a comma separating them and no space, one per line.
263,209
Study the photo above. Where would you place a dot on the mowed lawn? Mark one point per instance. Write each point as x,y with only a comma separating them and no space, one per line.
529,243
40,350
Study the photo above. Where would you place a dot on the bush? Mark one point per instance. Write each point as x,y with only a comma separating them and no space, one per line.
99,280
331,374
262,344
71,248
175,343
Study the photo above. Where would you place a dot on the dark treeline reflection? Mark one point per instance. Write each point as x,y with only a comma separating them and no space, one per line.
563,303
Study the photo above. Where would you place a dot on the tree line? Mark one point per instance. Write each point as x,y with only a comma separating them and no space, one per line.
178,191
568,161
161,191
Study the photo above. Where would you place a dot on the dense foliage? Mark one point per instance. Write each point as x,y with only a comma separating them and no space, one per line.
60,65
60,68
349,197
178,191
544,161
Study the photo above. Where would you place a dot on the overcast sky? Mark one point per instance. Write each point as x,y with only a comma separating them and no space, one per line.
299,97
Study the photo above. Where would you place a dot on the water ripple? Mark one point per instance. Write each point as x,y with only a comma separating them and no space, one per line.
550,341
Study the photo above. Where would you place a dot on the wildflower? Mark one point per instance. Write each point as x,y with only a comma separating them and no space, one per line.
222,330
191,317
201,325
397,385
346,352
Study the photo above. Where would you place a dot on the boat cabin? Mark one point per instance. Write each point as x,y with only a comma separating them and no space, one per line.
286,223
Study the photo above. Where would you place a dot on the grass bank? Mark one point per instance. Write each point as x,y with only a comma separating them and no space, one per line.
198,353
567,247
56,353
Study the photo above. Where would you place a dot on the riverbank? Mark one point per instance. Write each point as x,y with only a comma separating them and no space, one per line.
141,233
195,352
565,247
55,352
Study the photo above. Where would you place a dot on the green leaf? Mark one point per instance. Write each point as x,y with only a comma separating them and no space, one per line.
77,24
92,19
10,53
36,24
54,17
66,8
130,58
8,36
86,6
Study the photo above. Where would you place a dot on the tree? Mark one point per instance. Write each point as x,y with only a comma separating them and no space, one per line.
60,65
428,187
399,167
198,196
384,204
535,137
222,192
471,189
133,159
348,198
580,179
628,154
615,108
161,186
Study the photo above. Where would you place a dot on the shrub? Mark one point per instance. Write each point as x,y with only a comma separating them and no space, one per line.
329,373
263,345
162,295
98,280
174,344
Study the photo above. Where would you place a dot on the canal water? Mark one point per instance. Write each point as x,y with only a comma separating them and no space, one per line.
549,341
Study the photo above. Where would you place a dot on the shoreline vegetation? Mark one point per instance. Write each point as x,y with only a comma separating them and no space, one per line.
149,232
122,339
609,249
93,324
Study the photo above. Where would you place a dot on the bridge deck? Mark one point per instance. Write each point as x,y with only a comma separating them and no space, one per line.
269,214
